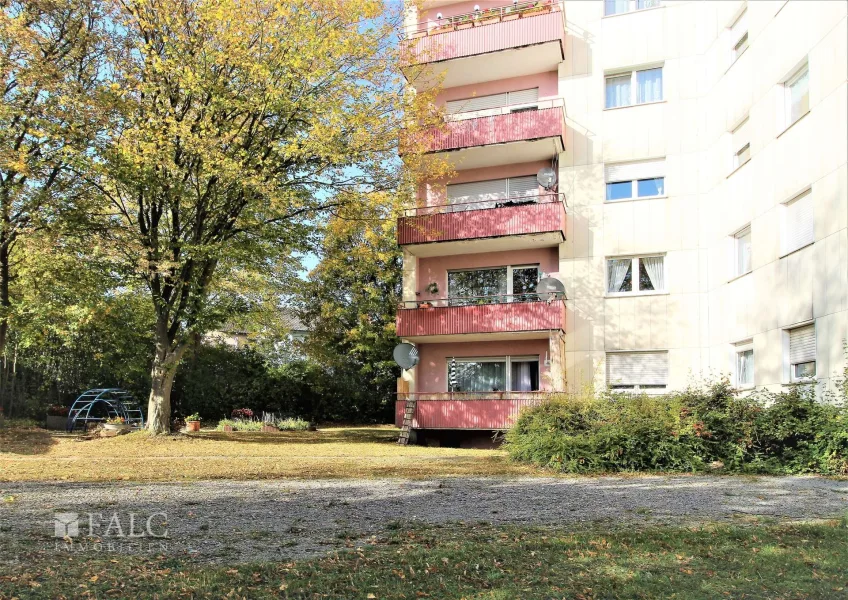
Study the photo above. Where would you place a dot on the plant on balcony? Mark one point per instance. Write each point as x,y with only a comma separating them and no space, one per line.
510,14
492,15
464,22
441,29
425,304
432,288
536,9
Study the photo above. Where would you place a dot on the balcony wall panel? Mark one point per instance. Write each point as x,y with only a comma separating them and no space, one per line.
486,318
499,129
465,414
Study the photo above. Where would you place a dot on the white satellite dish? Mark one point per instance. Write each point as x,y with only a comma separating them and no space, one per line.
547,178
406,356
550,287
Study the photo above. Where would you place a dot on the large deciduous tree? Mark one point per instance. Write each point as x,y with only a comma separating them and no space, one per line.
50,57
236,126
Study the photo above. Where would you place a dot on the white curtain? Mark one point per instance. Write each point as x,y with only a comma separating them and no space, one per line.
618,91
617,272
649,86
522,381
654,268
745,369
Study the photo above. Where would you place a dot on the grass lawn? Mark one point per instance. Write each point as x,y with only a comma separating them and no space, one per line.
36,454
458,561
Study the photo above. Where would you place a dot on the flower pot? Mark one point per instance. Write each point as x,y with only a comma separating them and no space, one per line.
269,428
489,20
466,25
425,305
229,428
192,425
442,29
115,426
510,17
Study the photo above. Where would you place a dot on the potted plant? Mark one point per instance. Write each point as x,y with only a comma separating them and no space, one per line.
465,22
442,28
193,422
510,14
536,9
226,425
57,416
490,16
269,428
115,423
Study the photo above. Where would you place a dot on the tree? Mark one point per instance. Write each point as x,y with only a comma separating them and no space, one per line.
349,304
236,125
50,53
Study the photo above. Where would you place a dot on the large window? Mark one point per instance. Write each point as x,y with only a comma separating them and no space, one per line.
797,95
634,87
802,352
642,179
491,193
739,36
641,274
494,374
742,252
637,370
744,364
493,285
797,223
494,104
617,7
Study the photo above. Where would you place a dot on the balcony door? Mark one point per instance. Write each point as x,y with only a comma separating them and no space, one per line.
493,104
492,193
494,285
496,374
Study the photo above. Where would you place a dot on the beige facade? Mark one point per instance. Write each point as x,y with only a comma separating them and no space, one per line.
713,102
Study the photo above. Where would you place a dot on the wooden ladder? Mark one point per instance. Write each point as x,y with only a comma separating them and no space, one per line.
408,416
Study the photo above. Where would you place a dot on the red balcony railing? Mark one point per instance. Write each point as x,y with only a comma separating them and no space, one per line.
481,32
467,410
483,219
489,314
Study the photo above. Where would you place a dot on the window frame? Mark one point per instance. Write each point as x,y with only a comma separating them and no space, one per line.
638,387
793,379
738,349
633,6
634,190
737,41
785,250
634,277
735,255
634,88
796,76
507,360
509,275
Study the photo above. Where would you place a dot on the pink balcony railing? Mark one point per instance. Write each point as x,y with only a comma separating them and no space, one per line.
467,410
483,219
524,125
490,314
481,32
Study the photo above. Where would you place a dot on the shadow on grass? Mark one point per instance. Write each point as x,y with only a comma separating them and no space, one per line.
26,441
359,435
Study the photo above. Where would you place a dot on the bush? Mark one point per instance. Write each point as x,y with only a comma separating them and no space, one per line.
688,431
292,424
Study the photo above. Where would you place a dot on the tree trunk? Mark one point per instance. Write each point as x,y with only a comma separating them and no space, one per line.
5,304
165,363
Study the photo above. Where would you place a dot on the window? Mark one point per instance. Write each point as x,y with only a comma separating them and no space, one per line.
741,145
744,364
637,370
635,87
477,195
649,270
494,104
797,222
802,352
493,285
494,374
739,36
742,252
617,7
797,95
643,179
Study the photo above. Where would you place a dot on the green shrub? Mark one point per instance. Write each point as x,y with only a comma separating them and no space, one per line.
292,424
691,430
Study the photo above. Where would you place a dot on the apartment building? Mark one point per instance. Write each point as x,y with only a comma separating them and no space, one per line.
699,223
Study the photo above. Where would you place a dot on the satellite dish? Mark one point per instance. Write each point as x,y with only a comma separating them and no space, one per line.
406,355
547,178
550,286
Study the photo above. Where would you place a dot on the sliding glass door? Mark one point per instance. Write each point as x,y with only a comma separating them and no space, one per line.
496,374
493,285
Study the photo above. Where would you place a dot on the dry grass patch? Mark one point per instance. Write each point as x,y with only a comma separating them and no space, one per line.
36,454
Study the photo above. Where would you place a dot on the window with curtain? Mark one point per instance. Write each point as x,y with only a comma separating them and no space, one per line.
797,93
742,252
634,87
496,374
744,367
797,223
649,270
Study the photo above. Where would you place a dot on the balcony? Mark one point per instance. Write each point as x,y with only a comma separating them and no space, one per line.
513,134
527,38
467,410
525,316
484,226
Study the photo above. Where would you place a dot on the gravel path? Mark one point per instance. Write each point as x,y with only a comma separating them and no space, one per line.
248,520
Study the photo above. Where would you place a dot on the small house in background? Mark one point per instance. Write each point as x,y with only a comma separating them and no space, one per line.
238,337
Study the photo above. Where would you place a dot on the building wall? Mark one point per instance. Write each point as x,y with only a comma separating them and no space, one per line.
705,311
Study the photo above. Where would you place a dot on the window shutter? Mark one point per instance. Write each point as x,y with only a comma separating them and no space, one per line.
491,189
644,169
523,186
476,103
802,344
799,222
637,368
523,97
